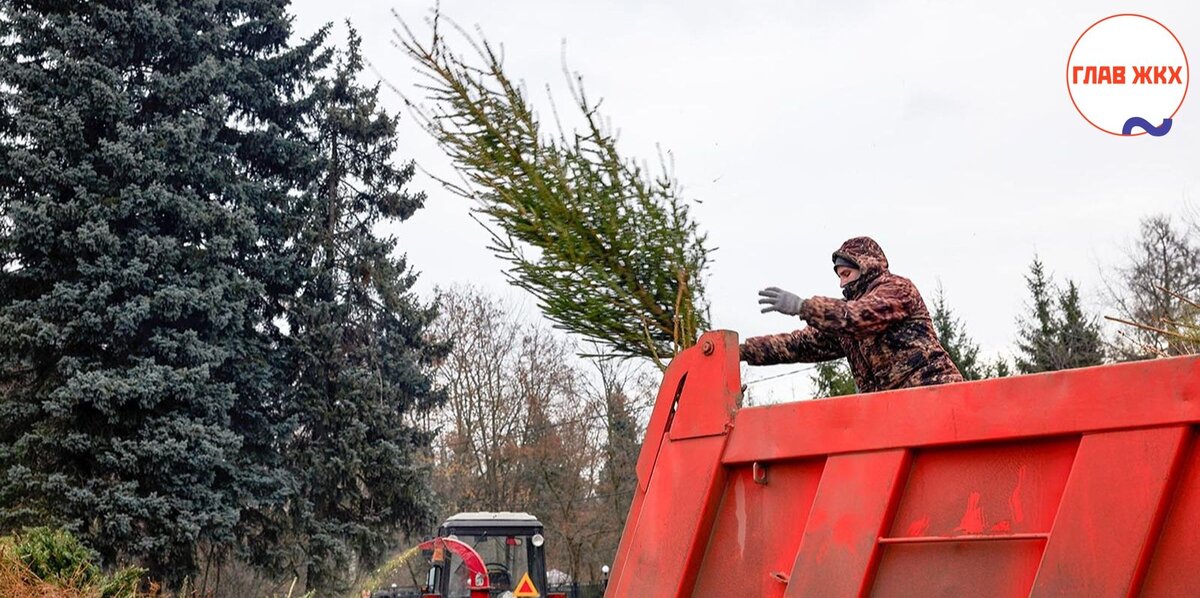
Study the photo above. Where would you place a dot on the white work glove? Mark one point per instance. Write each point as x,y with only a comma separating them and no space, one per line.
777,299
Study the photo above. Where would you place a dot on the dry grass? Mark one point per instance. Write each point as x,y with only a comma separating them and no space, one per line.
46,564
18,581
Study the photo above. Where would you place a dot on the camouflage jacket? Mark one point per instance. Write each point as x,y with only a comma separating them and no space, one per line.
882,328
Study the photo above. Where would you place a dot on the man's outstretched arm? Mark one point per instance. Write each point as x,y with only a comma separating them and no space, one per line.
883,306
807,345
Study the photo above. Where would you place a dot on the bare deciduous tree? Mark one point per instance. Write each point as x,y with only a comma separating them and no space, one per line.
1155,291
484,419
525,430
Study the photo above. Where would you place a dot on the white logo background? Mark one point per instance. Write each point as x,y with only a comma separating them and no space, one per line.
1128,41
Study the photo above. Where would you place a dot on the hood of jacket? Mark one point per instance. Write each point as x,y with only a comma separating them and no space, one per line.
872,263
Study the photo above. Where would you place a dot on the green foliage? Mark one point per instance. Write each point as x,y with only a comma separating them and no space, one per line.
1057,334
1078,333
123,583
1000,368
833,379
1037,332
148,157
358,345
59,559
55,556
611,252
952,333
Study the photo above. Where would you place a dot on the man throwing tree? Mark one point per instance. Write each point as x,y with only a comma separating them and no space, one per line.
881,327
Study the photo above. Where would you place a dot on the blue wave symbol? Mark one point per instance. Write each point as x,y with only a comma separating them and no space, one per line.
1154,131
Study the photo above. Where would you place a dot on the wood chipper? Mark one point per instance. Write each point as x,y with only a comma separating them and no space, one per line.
484,555
1076,483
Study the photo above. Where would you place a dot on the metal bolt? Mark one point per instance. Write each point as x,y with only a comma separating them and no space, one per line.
708,347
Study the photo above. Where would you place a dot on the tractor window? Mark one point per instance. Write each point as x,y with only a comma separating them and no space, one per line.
506,558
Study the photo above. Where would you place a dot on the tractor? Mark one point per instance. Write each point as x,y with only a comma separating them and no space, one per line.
483,555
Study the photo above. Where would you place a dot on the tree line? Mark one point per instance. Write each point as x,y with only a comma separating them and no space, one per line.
208,354
212,363
213,368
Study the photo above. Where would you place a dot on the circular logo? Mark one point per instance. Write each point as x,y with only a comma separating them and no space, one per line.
1128,75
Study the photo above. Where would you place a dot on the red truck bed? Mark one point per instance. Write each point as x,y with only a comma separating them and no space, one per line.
1077,483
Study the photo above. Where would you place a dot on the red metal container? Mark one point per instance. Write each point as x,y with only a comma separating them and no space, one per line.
1077,483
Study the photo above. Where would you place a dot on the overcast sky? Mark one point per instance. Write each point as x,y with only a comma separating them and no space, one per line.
942,129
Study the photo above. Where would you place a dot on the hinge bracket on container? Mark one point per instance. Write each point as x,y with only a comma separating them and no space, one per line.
759,473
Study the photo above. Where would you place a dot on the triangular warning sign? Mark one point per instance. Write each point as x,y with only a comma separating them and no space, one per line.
525,589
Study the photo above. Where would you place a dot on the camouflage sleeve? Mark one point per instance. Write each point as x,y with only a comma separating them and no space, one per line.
881,307
806,345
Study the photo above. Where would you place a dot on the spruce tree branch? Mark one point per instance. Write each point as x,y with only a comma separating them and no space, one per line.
614,255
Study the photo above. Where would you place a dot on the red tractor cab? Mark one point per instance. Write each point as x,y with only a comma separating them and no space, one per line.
511,553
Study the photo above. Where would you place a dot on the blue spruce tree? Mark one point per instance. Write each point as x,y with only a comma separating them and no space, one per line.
148,154
358,345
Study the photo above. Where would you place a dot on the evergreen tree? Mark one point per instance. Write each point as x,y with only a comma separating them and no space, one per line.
1000,368
359,341
1037,333
1057,334
833,379
148,154
611,251
953,335
1077,334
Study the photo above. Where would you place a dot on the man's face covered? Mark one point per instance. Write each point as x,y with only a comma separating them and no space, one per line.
865,258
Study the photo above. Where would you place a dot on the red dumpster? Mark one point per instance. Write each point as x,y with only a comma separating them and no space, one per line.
1075,483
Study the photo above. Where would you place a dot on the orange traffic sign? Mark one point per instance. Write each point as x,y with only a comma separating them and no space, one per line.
525,588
